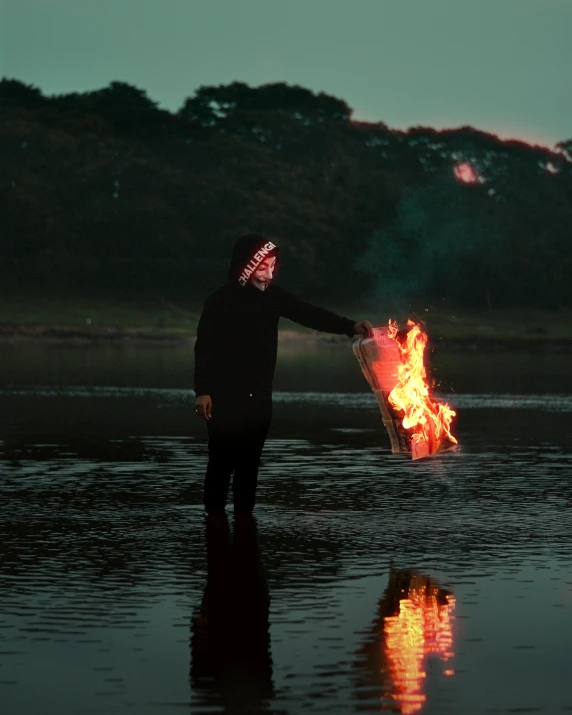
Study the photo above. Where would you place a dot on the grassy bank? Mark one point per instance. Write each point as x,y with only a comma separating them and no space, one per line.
159,320
97,319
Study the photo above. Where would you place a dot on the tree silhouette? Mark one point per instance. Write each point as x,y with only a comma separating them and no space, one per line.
103,190
15,94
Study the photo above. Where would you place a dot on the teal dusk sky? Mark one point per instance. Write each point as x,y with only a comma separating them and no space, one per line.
498,65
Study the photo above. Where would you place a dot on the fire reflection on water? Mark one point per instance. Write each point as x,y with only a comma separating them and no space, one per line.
415,622
421,627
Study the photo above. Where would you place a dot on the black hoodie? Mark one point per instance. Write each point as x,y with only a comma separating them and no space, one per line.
237,335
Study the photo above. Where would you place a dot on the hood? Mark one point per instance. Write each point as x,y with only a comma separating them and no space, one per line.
247,254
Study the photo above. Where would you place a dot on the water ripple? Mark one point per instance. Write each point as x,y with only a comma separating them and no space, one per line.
367,580
354,400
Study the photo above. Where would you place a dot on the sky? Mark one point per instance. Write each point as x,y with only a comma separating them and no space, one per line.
498,65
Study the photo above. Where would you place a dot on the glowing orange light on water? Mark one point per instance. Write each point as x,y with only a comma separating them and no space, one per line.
422,627
427,421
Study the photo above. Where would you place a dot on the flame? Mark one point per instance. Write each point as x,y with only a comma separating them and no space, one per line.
422,627
427,421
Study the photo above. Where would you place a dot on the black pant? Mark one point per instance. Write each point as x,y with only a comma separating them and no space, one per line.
237,430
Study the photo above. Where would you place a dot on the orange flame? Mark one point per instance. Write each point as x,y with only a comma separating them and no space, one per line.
427,421
422,627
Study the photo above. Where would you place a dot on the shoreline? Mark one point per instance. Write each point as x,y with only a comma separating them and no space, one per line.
109,337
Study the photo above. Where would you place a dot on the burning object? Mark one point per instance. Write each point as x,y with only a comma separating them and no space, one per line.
392,362
412,633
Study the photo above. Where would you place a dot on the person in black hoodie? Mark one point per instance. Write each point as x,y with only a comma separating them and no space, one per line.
235,358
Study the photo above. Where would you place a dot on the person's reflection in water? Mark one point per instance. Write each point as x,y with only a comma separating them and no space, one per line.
231,662
414,621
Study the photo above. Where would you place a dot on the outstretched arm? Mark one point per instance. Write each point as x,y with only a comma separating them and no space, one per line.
311,316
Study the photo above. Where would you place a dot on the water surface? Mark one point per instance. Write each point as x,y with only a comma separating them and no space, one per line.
365,582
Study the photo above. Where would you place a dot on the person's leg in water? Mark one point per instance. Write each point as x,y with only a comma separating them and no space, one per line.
237,432
222,454
254,428
219,471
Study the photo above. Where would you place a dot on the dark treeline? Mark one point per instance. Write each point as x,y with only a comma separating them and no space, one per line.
105,193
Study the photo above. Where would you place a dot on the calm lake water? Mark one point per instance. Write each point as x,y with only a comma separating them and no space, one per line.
365,582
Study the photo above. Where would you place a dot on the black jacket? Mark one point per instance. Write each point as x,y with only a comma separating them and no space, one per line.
237,336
